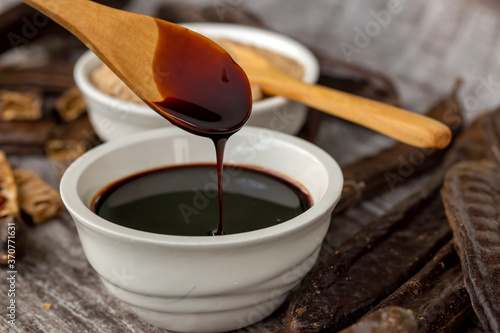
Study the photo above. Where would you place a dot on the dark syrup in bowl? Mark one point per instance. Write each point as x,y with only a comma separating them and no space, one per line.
183,200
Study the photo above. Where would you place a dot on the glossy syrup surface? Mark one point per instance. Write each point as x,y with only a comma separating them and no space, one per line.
183,200
204,91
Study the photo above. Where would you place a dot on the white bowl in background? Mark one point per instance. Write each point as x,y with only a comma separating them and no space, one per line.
113,119
202,284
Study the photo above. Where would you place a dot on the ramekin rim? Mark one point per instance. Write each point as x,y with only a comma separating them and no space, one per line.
83,215
83,81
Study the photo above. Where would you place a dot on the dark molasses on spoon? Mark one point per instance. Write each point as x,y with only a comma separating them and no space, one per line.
205,92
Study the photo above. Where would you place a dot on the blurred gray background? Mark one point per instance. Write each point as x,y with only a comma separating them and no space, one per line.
422,46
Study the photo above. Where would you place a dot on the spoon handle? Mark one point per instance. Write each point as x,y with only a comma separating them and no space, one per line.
82,18
408,127
124,41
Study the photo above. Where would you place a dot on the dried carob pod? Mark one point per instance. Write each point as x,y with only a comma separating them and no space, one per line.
471,195
16,105
38,201
114,3
71,104
369,266
12,229
25,137
436,294
50,78
180,13
356,80
391,319
395,165
226,13
315,306
479,141
352,79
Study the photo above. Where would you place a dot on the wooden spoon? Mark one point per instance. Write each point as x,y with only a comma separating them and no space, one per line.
182,75
103,30
402,125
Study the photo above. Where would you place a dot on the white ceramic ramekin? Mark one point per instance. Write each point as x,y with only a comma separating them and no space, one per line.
202,284
112,118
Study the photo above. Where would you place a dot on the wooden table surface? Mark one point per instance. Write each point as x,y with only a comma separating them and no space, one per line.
422,48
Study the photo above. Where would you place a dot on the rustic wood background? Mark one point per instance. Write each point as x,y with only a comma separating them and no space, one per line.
422,49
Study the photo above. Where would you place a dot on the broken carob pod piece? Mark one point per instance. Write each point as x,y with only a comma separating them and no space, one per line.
38,201
71,104
25,137
369,266
436,294
395,165
16,105
391,319
70,141
471,195
12,228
